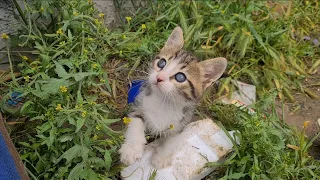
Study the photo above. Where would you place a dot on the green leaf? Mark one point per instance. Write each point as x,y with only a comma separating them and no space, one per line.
183,20
107,82
107,159
77,172
80,123
51,35
236,175
80,76
39,47
79,97
50,87
25,106
66,62
69,34
72,153
58,54
24,144
52,137
60,70
65,138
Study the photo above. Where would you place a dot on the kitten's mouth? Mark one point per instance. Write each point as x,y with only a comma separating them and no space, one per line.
158,86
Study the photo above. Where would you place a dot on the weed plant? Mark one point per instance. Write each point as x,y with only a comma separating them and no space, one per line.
268,148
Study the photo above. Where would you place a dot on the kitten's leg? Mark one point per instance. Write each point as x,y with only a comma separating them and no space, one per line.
133,147
162,155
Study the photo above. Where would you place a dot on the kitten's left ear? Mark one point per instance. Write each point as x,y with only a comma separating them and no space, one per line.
213,70
175,41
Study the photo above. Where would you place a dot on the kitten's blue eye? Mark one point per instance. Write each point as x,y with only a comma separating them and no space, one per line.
161,63
180,77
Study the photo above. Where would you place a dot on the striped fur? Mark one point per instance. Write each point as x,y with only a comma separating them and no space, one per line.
165,102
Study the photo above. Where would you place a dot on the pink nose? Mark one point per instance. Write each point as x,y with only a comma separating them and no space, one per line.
161,77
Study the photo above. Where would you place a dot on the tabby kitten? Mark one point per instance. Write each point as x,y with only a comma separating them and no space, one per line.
167,101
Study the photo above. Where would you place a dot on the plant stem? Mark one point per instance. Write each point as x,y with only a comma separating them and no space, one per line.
11,66
20,11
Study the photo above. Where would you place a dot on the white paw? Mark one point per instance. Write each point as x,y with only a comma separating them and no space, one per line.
129,154
159,161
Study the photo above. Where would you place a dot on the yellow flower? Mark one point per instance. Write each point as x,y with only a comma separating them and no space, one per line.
75,13
128,18
4,36
97,21
95,137
124,36
126,120
26,78
93,103
85,51
59,108
59,31
305,124
143,26
257,124
98,127
24,58
147,137
106,30
101,15
78,106
121,138
95,66
171,127
63,89
90,39
110,142
84,113
41,9
120,52
62,43
223,11
102,80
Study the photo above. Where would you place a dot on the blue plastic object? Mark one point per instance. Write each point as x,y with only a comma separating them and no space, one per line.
134,90
15,98
8,168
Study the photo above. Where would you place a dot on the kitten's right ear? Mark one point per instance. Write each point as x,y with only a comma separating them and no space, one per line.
213,70
175,41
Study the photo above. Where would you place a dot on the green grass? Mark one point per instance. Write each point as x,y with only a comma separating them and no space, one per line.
268,148
72,104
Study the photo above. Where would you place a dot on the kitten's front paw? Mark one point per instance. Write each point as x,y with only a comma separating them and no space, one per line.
129,154
159,161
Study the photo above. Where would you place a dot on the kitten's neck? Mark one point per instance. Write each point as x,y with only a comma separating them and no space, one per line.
172,100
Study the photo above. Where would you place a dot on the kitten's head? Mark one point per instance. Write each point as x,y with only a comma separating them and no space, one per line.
176,72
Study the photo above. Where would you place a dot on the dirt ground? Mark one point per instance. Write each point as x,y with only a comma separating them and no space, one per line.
306,109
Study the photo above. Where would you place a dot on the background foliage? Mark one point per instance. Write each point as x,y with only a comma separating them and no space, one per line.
71,89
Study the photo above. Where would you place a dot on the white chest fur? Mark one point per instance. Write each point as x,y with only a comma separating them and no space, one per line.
161,113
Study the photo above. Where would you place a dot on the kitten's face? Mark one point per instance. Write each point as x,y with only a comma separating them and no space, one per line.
177,73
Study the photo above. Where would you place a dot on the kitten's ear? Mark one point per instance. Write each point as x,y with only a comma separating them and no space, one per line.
175,41
213,70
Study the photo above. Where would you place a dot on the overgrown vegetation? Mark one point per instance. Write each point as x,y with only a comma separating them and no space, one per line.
268,148
70,99
262,41
66,92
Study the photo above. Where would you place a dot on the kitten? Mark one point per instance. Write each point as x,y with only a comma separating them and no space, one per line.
167,101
